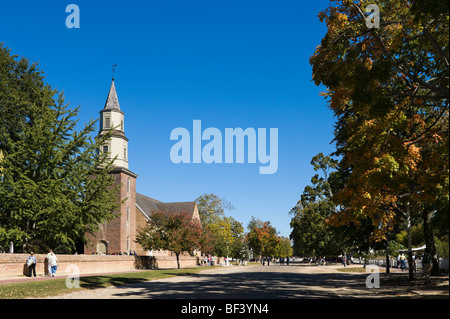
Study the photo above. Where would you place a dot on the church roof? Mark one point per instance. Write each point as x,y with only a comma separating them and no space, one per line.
149,205
112,102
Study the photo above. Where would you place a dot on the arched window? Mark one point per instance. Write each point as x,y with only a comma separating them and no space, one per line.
101,247
128,185
128,214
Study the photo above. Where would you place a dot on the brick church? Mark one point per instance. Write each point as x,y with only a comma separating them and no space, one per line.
118,235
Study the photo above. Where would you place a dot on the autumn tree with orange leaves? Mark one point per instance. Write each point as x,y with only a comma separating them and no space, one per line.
388,88
262,238
174,231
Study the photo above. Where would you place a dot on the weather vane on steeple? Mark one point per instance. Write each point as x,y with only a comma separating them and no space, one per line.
114,68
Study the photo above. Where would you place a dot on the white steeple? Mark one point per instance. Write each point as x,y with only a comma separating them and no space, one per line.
112,118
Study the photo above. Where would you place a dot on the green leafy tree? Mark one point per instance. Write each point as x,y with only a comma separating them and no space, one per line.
54,186
262,238
310,232
176,232
284,248
388,87
225,232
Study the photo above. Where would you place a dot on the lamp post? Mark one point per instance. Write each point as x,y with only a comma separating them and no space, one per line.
227,254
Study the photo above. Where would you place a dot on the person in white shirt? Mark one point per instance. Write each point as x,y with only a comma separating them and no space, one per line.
53,263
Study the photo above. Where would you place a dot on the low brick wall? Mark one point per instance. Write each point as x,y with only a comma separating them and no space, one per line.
14,265
171,262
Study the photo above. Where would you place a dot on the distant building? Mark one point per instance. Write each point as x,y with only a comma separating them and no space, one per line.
118,235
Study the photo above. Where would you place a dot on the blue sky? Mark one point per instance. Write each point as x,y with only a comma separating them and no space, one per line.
227,63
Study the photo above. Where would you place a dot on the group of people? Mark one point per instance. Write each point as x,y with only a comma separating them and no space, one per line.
427,263
130,253
52,264
322,261
280,261
208,260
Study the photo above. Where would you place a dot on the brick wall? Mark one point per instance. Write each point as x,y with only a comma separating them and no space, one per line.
119,233
14,265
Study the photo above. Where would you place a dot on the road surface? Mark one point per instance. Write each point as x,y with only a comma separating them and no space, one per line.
266,282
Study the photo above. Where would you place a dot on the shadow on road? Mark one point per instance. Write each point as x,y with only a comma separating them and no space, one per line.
255,285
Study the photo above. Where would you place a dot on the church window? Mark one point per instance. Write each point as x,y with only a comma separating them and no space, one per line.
107,122
121,126
125,153
105,148
128,185
128,214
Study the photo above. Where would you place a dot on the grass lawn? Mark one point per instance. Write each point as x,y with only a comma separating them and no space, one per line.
359,269
352,269
57,286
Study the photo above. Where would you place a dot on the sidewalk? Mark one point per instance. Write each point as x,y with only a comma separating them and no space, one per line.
19,279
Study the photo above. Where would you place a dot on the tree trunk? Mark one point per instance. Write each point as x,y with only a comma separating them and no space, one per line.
408,223
387,258
428,235
178,259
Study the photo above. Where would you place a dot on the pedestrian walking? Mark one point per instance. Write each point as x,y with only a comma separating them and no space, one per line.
398,261
49,267
344,261
414,262
427,264
403,262
53,262
31,262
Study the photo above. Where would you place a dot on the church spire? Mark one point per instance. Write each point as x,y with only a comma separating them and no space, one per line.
112,102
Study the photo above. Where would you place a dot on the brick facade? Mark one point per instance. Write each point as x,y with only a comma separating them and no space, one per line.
119,234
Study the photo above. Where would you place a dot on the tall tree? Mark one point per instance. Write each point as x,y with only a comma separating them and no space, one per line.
211,208
388,86
176,232
284,248
225,232
262,238
311,234
55,186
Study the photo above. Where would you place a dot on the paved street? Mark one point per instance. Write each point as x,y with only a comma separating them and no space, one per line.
273,282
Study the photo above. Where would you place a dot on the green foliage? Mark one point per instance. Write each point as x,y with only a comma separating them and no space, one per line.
442,246
174,231
416,236
284,248
210,208
310,232
389,89
54,186
226,233
262,238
